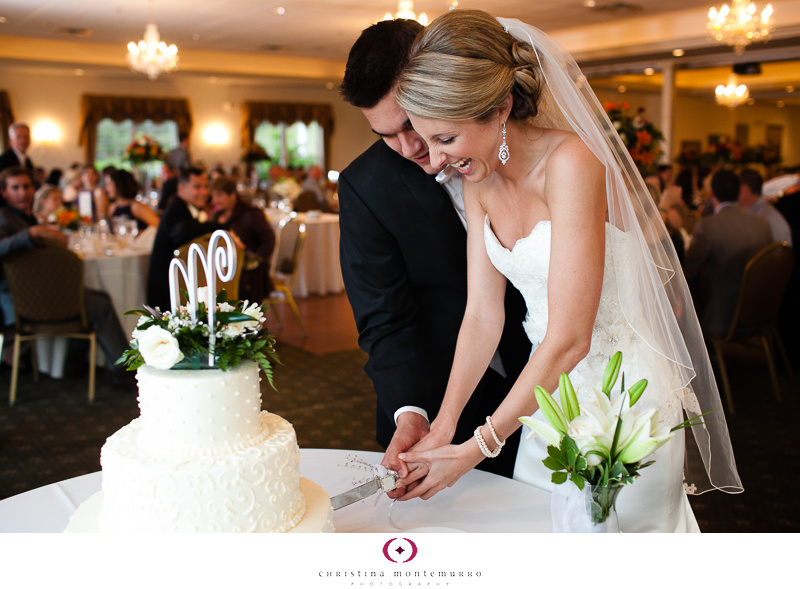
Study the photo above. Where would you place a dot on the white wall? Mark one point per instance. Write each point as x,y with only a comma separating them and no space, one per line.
54,95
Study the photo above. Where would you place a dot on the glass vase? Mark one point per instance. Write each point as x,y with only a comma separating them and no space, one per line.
588,510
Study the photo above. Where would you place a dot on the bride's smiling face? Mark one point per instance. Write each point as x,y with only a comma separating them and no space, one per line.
468,146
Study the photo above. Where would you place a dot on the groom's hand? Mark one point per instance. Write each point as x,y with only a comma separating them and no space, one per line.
411,428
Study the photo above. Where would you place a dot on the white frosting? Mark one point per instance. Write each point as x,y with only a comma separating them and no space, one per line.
318,517
200,412
203,457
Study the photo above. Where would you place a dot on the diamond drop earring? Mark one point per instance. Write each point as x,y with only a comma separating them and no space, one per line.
503,154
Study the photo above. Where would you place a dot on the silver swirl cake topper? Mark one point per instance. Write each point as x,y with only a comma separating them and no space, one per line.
216,261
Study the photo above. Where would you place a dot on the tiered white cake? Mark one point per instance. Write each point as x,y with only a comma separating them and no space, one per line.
203,457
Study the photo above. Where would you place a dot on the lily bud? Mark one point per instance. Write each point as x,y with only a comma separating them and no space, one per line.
550,409
636,390
569,400
612,373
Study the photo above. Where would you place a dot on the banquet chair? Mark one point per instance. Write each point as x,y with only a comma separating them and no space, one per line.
290,236
764,283
231,287
307,201
47,291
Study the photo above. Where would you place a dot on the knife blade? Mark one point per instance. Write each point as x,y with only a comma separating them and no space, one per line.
383,483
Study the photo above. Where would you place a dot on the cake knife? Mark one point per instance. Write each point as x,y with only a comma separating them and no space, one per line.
385,482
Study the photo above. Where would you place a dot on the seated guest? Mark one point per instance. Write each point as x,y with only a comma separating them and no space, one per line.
169,185
314,183
47,201
185,218
721,246
122,187
251,226
20,230
89,183
751,200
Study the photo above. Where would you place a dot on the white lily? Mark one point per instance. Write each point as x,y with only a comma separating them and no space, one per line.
644,438
541,428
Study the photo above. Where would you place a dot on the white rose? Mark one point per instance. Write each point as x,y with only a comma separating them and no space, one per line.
202,295
159,348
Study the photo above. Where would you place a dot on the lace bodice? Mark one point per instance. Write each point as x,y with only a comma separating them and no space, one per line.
527,265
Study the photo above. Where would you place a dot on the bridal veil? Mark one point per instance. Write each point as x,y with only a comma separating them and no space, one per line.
658,307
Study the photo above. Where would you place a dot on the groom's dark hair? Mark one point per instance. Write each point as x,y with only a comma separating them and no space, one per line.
376,60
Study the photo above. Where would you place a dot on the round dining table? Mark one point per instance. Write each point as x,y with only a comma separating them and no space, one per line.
320,272
479,502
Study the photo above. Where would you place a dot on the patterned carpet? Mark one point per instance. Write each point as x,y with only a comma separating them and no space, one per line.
53,434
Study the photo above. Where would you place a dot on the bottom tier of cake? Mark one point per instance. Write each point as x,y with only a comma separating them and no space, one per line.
318,515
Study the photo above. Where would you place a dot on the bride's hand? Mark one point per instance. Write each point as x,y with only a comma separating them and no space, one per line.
443,466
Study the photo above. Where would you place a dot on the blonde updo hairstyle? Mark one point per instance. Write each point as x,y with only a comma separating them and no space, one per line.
464,65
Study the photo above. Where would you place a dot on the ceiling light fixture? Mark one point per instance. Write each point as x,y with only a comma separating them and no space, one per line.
740,25
733,93
405,9
151,56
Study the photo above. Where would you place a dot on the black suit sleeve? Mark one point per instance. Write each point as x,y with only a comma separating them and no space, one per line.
384,307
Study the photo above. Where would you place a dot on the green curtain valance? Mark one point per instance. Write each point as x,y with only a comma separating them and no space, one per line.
137,108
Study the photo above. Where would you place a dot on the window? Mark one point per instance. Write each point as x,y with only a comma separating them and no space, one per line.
110,123
295,135
296,146
113,138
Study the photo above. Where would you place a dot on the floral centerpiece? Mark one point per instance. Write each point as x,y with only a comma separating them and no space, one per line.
66,219
601,444
145,149
640,136
287,188
175,340
726,154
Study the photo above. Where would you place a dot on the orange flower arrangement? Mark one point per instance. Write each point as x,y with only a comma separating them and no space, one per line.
640,136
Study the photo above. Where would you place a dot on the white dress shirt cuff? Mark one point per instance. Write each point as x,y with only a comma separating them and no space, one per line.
413,410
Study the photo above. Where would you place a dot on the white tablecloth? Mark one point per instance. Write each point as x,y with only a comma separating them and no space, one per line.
320,272
123,276
479,502
122,273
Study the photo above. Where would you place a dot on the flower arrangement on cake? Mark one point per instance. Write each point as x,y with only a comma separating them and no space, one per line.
601,444
640,136
145,149
177,340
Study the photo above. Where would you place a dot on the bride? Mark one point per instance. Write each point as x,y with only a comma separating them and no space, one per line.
555,205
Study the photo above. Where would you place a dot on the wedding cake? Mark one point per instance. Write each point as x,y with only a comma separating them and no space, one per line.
203,456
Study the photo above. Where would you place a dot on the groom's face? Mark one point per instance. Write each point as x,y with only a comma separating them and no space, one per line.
390,123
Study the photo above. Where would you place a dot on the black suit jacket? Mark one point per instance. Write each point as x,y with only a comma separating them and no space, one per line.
176,227
9,159
403,256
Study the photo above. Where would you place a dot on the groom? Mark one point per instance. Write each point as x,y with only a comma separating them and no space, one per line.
403,256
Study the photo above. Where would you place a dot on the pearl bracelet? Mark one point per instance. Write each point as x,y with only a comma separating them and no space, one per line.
494,434
483,447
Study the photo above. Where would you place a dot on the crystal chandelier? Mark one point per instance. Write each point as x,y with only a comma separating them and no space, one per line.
733,94
405,9
740,25
151,56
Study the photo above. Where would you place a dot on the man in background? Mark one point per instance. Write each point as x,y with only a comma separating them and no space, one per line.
750,199
721,246
19,138
403,256
19,231
185,218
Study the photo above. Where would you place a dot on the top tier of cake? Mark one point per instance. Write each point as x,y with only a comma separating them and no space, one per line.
200,412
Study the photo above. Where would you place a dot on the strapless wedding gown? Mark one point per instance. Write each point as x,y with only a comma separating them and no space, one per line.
656,502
